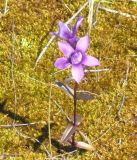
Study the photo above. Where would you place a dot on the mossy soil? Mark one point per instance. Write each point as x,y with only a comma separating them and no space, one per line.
109,120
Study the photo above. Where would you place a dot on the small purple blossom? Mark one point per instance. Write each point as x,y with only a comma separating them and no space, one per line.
76,58
66,33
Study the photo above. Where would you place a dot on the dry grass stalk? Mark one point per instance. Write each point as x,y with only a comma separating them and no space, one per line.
90,15
117,12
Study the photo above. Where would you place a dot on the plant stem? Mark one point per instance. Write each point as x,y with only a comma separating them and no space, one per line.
75,110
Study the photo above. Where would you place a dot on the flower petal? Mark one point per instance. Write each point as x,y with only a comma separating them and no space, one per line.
82,44
61,63
64,31
65,48
90,61
77,72
73,41
77,24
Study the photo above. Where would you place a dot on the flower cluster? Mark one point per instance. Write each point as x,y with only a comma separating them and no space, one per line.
74,49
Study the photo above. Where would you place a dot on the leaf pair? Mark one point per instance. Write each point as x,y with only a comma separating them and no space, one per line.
70,130
81,95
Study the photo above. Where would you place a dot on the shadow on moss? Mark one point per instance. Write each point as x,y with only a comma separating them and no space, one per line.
10,114
44,135
60,147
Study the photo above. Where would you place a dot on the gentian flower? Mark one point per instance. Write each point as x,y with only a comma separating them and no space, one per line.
76,58
66,34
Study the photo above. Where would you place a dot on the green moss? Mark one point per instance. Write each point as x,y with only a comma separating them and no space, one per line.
113,42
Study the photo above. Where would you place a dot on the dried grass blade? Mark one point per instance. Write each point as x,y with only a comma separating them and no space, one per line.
84,145
44,50
84,136
117,12
90,16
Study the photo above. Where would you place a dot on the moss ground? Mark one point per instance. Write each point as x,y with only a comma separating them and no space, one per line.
109,120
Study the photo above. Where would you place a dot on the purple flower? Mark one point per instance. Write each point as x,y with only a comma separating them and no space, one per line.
66,34
76,58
